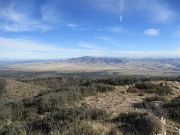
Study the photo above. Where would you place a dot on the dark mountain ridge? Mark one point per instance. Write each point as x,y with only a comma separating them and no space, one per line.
95,60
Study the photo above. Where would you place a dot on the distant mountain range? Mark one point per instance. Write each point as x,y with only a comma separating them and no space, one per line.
108,60
88,64
89,59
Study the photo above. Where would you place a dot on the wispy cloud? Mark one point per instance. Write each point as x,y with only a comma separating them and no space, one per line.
17,17
90,46
77,27
112,6
18,48
104,38
176,32
156,11
72,25
50,12
152,32
116,29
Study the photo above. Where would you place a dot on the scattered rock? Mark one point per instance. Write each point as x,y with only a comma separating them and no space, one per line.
156,107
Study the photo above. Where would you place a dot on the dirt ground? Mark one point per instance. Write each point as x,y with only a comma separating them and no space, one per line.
115,102
119,101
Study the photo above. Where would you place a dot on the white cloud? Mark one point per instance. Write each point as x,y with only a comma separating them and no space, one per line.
152,32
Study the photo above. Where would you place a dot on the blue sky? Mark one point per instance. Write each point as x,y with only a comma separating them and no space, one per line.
50,29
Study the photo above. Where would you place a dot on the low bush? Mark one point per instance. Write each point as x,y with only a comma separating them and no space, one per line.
63,119
100,87
173,108
16,128
148,87
53,101
112,81
157,98
139,123
5,113
2,85
82,128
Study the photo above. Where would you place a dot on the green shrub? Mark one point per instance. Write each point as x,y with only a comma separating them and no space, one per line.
64,118
85,128
54,100
42,125
156,98
5,114
173,108
112,81
139,123
17,109
2,85
68,115
100,87
16,128
148,87
145,85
